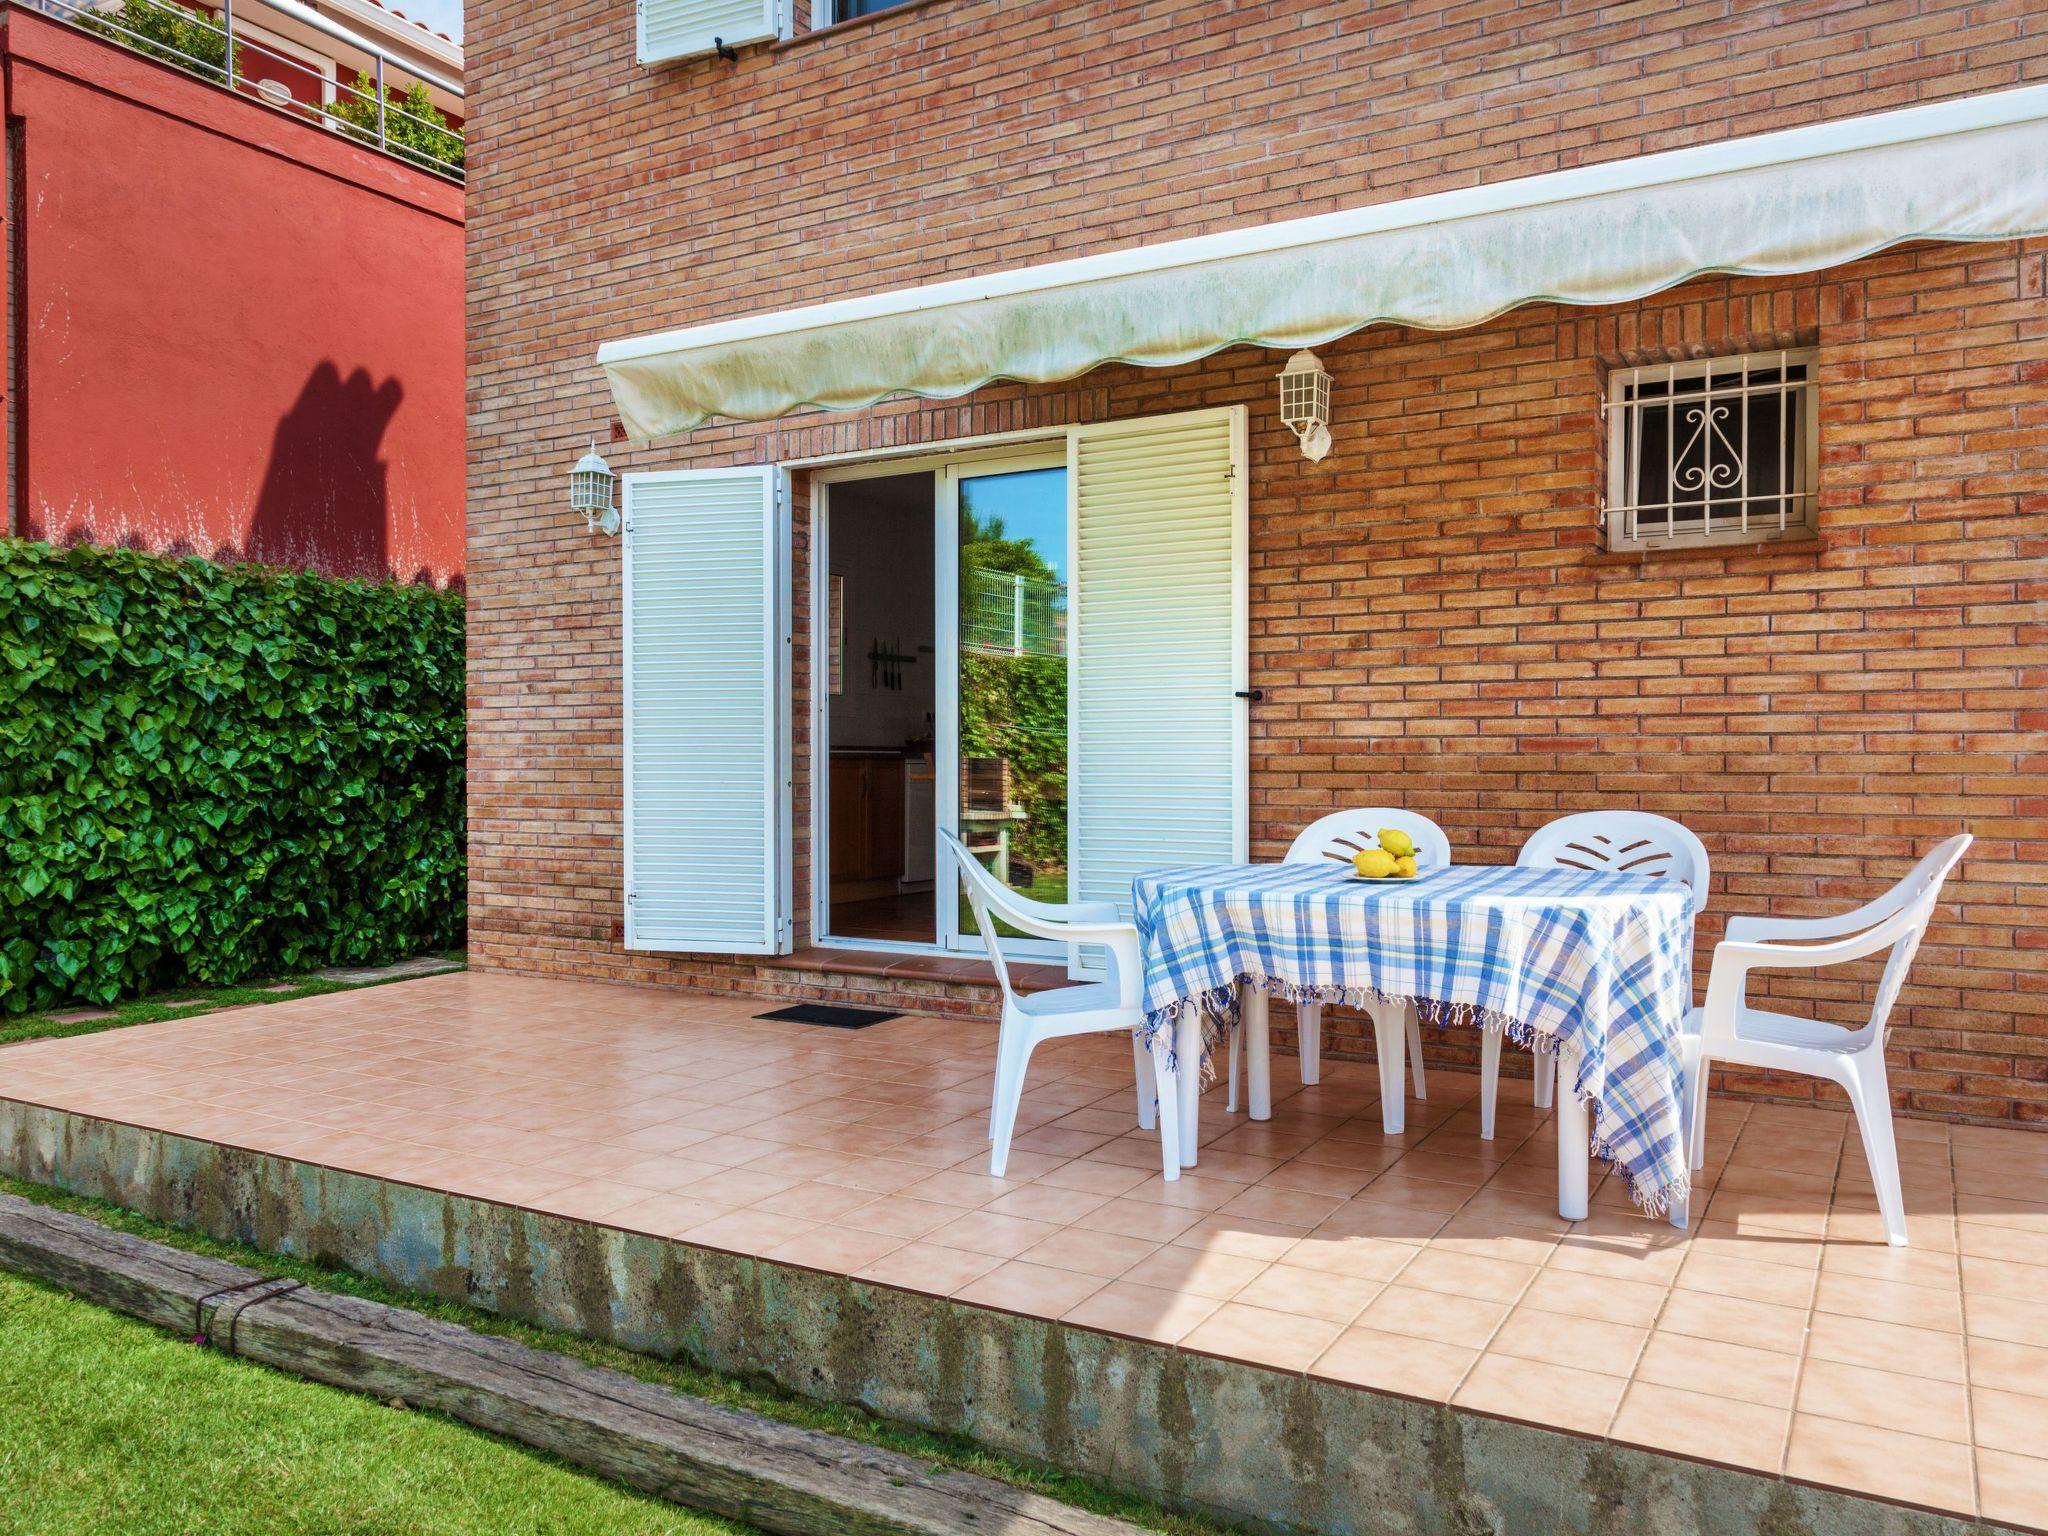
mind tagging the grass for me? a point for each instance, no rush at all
(932, 1449)
(181, 1003)
(113, 1426)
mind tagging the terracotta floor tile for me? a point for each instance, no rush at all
(1766, 1377)
(1446, 1319)
(1886, 1346)
(664, 1173)
(1782, 1285)
(2008, 1367)
(1191, 1191)
(879, 1175)
(1138, 1218)
(812, 1202)
(1141, 1312)
(835, 1250)
(1889, 1301)
(2003, 1317)
(1367, 1258)
(1995, 1277)
(592, 1200)
(2009, 1421)
(1531, 1390)
(1719, 1429)
(898, 1216)
(1285, 1341)
(969, 1191)
(1004, 1237)
(2013, 1489)
(1885, 1462)
(1246, 1239)
(1366, 1217)
(1577, 1295)
(1314, 1293)
(1199, 1271)
(1466, 1275)
(1033, 1290)
(1106, 1179)
(1885, 1399)
(1046, 1202)
(1759, 1246)
(740, 1186)
(1316, 1179)
(927, 1267)
(1392, 1362)
(1903, 1266)
(1732, 1320)
(1290, 1207)
(1103, 1254)
(518, 1186)
(751, 1232)
(1582, 1342)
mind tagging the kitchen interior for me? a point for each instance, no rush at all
(881, 661)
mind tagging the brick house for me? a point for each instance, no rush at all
(1764, 553)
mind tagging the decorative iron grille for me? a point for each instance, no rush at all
(1719, 451)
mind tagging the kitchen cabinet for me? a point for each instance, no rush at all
(866, 823)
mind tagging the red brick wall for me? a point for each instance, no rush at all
(1432, 615)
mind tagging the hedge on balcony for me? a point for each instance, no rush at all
(210, 772)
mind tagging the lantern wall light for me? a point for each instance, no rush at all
(1305, 403)
(590, 492)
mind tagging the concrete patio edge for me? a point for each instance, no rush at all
(1262, 1448)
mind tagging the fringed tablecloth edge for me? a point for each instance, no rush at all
(1221, 1009)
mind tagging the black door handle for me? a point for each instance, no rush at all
(1256, 695)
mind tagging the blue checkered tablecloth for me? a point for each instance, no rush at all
(1552, 956)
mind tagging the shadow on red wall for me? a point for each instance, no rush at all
(325, 498)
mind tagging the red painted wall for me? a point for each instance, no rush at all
(234, 333)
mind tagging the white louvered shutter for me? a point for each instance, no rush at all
(1157, 627)
(703, 711)
(683, 29)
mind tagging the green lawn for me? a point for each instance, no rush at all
(112, 1426)
(180, 1003)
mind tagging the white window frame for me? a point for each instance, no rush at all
(1793, 514)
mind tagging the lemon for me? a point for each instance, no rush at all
(1374, 863)
(1405, 867)
(1397, 842)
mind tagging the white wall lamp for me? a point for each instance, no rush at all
(1305, 403)
(590, 492)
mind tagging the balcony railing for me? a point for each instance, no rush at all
(407, 127)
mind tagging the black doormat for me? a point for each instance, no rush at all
(832, 1018)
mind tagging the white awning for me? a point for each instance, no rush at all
(1793, 201)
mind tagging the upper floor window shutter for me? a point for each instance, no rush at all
(683, 29)
(705, 680)
(1158, 635)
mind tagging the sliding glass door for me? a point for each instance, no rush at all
(1004, 536)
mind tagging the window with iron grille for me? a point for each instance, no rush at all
(1720, 451)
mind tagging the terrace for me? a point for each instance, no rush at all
(1315, 1320)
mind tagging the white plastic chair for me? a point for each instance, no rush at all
(1083, 1009)
(1335, 838)
(1626, 842)
(1727, 1029)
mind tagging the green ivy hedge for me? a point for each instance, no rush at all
(209, 772)
(1015, 707)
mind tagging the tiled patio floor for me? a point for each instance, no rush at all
(1780, 1333)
